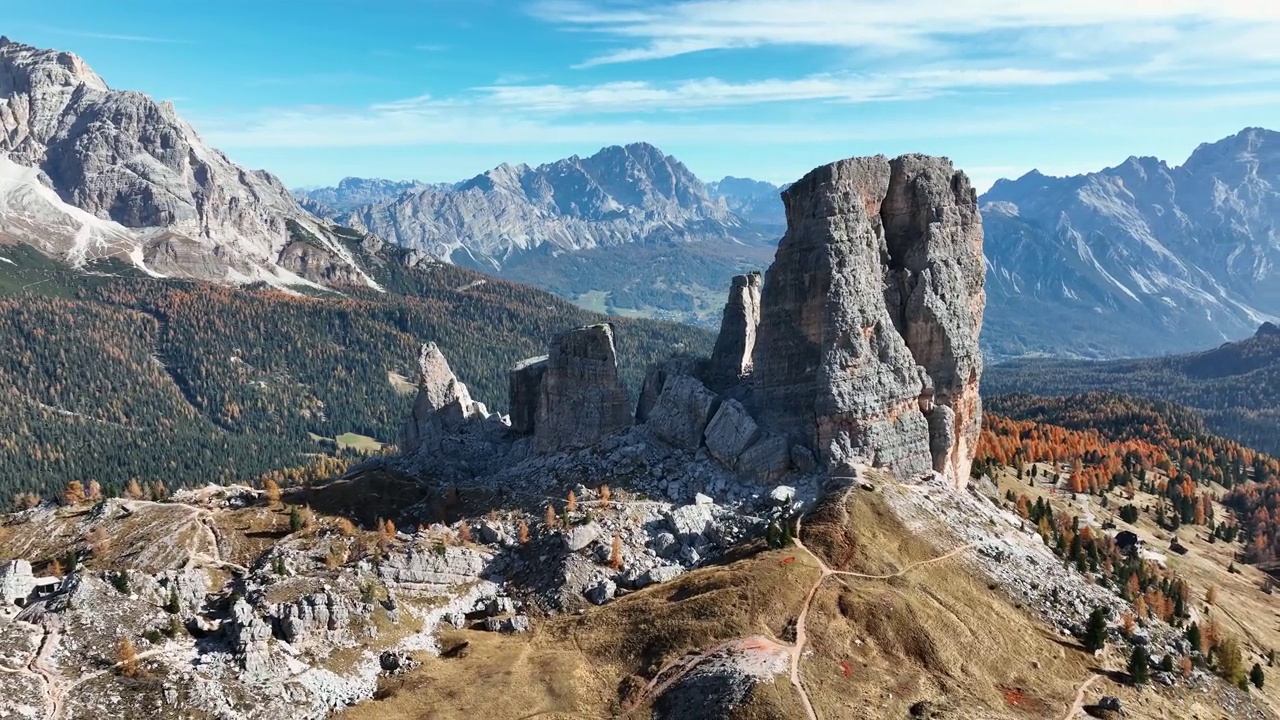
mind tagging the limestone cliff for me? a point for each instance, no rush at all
(131, 179)
(581, 399)
(869, 317)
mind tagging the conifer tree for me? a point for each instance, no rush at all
(1095, 632)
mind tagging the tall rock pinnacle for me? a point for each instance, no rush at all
(868, 337)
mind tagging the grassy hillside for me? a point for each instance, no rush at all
(1236, 387)
(109, 377)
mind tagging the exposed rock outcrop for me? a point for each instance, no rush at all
(732, 357)
(442, 401)
(876, 294)
(151, 191)
(684, 408)
(524, 384)
(581, 399)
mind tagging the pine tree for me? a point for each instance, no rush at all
(524, 532)
(1193, 637)
(605, 494)
(295, 519)
(1139, 665)
(173, 606)
(271, 489)
(550, 520)
(615, 553)
(127, 657)
(1095, 633)
(571, 503)
(1256, 676)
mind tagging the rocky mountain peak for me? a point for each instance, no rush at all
(868, 339)
(619, 195)
(1268, 329)
(153, 192)
(1173, 257)
(36, 68)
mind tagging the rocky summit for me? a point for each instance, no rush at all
(868, 338)
(90, 172)
(858, 346)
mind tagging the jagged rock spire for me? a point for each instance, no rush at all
(869, 317)
(732, 356)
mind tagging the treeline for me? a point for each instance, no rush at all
(188, 383)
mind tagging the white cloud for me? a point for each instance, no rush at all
(679, 27)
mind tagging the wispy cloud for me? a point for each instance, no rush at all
(118, 37)
(707, 93)
(679, 27)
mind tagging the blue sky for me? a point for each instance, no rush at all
(439, 90)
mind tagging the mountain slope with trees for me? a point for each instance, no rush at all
(116, 376)
(1236, 386)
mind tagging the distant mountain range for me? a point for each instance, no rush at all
(89, 172)
(1138, 259)
(1236, 386)
(628, 230)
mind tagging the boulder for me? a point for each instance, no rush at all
(730, 432)
(683, 410)
(579, 536)
(690, 523)
(603, 592)
(767, 460)
(581, 400)
(665, 544)
(660, 574)
(782, 495)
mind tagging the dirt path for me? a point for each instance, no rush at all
(802, 635)
(41, 676)
(679, 668)
(52, 682)
(1077, 706)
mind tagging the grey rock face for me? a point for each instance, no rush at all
(582, 400)
(158, 191)
(879, 275)
(767, 460)
(524, 384)
(1140, 259)
(433, 571)
(684, 408)
(248, 634)
(655, 380)
(730, 433)
(442, 401)
(936, 295)
(619, 195)
(313, 615)
(732, 357)
(16, 582)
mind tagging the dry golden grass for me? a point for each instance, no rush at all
(938, 634)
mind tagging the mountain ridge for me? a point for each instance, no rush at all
(171, 205)
(1172, 257)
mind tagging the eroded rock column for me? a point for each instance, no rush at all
(582, 399)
